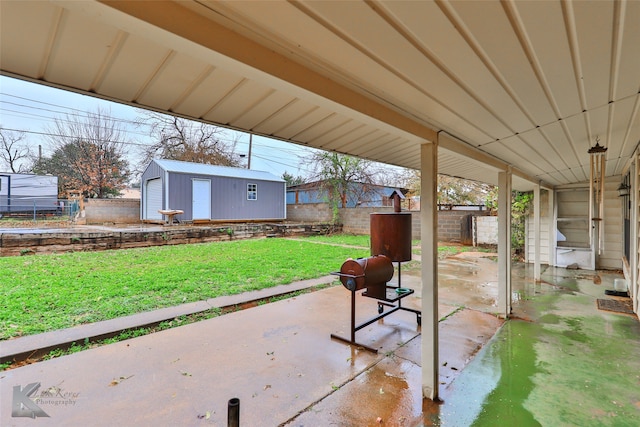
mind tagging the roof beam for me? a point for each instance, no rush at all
(189, 25)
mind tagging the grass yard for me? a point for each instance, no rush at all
(47, 292)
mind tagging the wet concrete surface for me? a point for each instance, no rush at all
(561, 361)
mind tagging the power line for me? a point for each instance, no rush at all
(70, 136)
(293, 150)
(77, 112)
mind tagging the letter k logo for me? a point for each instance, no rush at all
(22, 405)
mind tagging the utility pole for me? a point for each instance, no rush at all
(250, 143)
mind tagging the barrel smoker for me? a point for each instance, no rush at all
(390, 242)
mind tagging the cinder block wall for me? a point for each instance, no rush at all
(486, 230)
(312, 212)
(356, 220)
(119, 211)
(450, 225)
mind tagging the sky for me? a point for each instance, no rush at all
(32, 108)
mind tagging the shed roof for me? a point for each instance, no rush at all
(215, 170)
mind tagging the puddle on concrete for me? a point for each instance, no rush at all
(572, 365)
(495, 387)
(470, 282)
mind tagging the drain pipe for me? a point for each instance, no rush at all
(233, 414)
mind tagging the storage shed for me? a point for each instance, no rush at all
(210, 193)
(20, 192)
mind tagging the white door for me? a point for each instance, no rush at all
(201, 198)
(153, 199)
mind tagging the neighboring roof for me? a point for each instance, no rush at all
(318, 184)
(215, 170)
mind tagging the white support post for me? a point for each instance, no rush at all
(504, 243)
(536, 235)
(635, 233)
(551, 217)
(429, 241)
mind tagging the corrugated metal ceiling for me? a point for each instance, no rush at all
(525, 84)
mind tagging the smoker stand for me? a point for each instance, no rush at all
(387, 296)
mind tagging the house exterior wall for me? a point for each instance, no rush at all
(546, 221)
(573, 203)
(611, 257)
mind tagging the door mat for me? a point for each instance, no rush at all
(618, 306)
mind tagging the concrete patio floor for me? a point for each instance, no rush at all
(560, 361)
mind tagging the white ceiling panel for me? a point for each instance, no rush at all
(75, 61)
(543, 29)
(563, 150)
(595, 38)
(172, 76)
(520, 84)
(43, 20)
(497, 42)
(285, 117)
(264, 109)
(127, 50)
(210, 91)
(628, 59)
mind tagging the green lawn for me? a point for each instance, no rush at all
(47, 292)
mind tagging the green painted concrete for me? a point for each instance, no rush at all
(560, 362)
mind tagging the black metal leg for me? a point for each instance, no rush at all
(354, 328)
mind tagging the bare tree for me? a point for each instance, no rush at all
(338, 173)
(88, 154)
(13, 150)
(176, 138)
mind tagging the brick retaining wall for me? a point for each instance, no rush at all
(84, 239)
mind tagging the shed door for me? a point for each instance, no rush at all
(201, 198)
(153, 199)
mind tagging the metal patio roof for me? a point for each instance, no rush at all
(530, 85)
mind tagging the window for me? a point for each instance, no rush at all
(252, 191)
